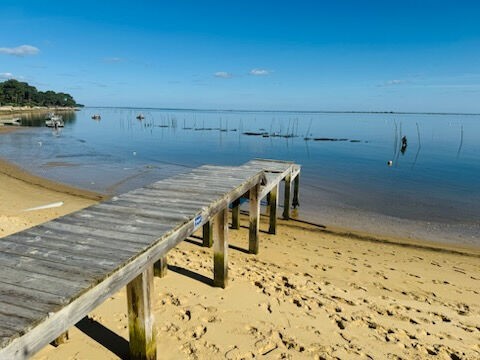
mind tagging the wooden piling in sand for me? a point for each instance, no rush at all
(254, 220)
(220, 249)
(207, 234)
(236, 214)
(160, 267)
(296, 186)
(140, 318)
(272, 206)
(61, 339)
(286, 199)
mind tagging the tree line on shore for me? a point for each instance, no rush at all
(17, 93)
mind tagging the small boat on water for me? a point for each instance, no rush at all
(10, 122)
(54, 121)
(96, 117)
(140, 116)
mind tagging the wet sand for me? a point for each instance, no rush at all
(311, 293)
(21, 190)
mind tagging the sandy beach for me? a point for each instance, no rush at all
(311, 293)
(21, 190)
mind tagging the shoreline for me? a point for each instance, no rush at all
(17, 173)
(18, 110)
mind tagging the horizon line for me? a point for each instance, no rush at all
(290, 111)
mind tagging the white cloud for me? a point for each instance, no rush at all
(6, 76)
(259, 72)
(394, 82)
(223, 74)
(23, 50)
(113, 59)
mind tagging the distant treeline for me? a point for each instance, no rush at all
(17, 93)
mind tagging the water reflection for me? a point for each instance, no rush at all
(37, 119)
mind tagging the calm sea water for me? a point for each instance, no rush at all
(430, 191)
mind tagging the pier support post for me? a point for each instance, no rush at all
(220, 249)
(286, 200)
(254, 215)
(272, 206)
(160, 267)
(140, 317)
(267, 208)
(62, 339)
(296, 185)
(236, 214)
(207, 234)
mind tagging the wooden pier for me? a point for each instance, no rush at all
(54, 274)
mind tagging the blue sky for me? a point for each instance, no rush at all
(293, 55)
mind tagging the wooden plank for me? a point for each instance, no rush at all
(140, 317)
(254, 217)
(207, 234)
(89, 230)
(220, 249)
(236, 214)
(15, 317)
(160, 267)
(152, 224)
(286, 198)
(30, 298)
(111, 225)
(164, 217)
(99, 265)
(36, 281)
(50, 243)
(43, 267)
(273, 210)
(170, 203)
(161, 199)
(174, 212)
(102, 242)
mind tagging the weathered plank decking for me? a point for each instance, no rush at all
(53, 275)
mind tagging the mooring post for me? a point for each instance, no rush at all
(140, 317)
(207, 234)
(273, 195)
(286, 200)
(160, 267)
(254, 215)
(220, 247)
(236, 214)
(296, 185)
